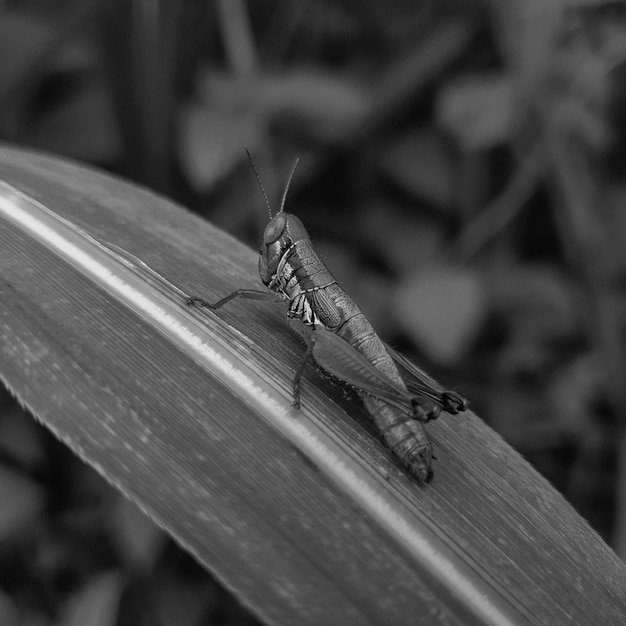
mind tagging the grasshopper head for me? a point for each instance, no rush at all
(280, 234)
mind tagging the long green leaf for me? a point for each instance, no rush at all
(305, 515)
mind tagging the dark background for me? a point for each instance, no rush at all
(461, 172)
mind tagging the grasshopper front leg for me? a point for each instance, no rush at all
(248, 294)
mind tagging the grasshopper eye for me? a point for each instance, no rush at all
(275, 229)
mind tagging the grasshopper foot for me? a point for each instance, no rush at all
(454, 402)
(191, 300)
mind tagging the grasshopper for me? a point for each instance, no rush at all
(398, 395)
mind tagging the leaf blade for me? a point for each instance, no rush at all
(281, 523)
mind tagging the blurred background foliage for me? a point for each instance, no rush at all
(461, 172)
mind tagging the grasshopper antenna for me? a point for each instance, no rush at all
(293, 171)
(258, 178)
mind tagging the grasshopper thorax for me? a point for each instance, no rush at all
(283, 231)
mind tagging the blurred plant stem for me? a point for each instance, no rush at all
(140, 45)
(153, 45)
(237, 36)
(504, 209)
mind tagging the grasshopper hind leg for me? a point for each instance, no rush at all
(424, 412)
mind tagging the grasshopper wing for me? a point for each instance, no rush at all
(420, 383)
(341, 360)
